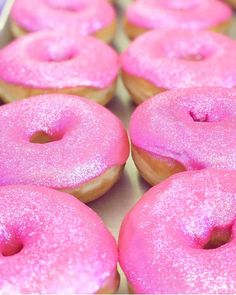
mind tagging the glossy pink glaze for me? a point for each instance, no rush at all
(66, 247)
(164, 59)
(193, 126)
(56, 60)
(92, 141)
(161, 243)
(168, 14)
(80, 16)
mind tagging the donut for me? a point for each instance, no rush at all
(188, 129)
(62, 142)
(51, 243)
(161, 60)
(180, 237)
(49, 62)
(83, 17)
(145, 15)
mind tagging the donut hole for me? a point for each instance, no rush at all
(55, 52)
(56, 49)
(11, 247)
(193, 57)
(218, 237)
(60, 57)
(191, 49)
(204, 118)
(196, 55)
(42, 137)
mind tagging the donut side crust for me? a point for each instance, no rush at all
(154, 169)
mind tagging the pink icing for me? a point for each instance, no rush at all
(164, 59)
(57, 60)
(162, 239)
(81, 16)
(193, 126)
(66, 247)
(191, 14)
(90, 140)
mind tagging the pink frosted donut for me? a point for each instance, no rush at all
(96, 17)
(143, 15)
(64, 142)
(160, 60)
(51, 243)
(187, 129)
(55, 62)
(180, 237)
